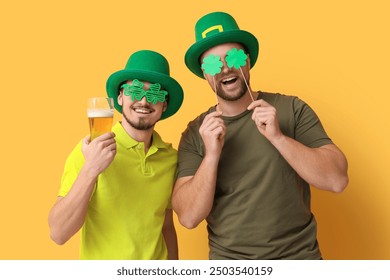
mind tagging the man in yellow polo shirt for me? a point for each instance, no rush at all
(117, 188)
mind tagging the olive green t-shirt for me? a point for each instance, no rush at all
(261, 206)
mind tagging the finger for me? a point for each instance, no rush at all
(260, 122)
(209, 128)
(257, 114)
(85, 143)
(254, 104)
(215, 114)
(220, 131)
(106, 143)
(212, 123)
(86, 140)
(258, 103)
(263, 119)
(212, 115)
(215, 131)
(105, 136)
(112, 147)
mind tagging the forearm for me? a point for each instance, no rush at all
(170, 236)
(68, 214)
(193, 198)
(324, 168)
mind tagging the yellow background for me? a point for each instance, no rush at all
(54, 54)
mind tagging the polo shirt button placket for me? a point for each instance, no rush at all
(143, 158)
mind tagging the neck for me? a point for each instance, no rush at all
(234, 108)
(144, 136)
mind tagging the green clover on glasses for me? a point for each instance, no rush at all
(153, 95)
(212, 64)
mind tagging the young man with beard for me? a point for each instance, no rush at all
(117, 188)
(246, 164)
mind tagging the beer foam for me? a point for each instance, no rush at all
(101, 113)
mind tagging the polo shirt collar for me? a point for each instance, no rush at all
(122, 137)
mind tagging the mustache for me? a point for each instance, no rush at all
(135, 106)
(231, 73)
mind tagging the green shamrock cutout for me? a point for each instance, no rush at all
(236, 58)
(212, 64)
(154, 94)
(136, 92)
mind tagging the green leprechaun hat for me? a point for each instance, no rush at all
(214, 29)
(150, 66)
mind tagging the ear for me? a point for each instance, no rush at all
(165, 106)
(248, 60)
(120, 98)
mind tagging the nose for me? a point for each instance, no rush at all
(143, 101)
(224, 68)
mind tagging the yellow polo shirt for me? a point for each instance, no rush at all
(127, 209)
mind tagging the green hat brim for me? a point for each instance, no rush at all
(175, 91)
(233, 36)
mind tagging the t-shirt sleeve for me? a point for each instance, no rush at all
(73, 165)
(169, 205)
(308, 128)
(190, 152)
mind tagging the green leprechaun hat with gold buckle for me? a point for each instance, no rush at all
(150, 66)
(214, 29)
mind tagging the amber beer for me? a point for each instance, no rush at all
(100, 116)
(100, 122)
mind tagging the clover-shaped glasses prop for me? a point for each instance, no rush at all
(212, 64)
(236, 58)
(153, 95)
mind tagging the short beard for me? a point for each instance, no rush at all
(222, 94)
(141, 125)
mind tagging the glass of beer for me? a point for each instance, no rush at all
(100, 114)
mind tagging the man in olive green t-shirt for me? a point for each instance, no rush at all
(246, 164)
